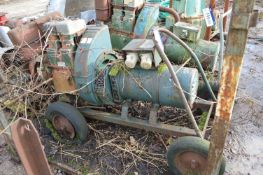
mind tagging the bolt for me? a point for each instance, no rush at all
(193, 164)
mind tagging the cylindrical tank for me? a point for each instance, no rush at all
(103, 10)
(206, 51)
(4, 38)
(156, 86)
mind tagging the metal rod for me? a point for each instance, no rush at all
(137, 123)
(207, 119)
(209, 29)
(222, 41)
(199, 65)
(179, 87)
(171, 12)
(233, 60)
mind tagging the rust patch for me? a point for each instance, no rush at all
(29, 148)
(63, 80)
(217, 142)
(229, 84)
(233, 61)
(63, 126)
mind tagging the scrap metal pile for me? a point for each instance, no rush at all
(136, 51)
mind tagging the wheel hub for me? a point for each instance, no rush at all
(63, 126)
(191, 162)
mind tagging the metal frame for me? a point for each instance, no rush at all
(133, 122)
(149, 125)
(233, 60)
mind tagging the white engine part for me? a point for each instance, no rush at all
(131, 60)
(146, 60)
(67, 26)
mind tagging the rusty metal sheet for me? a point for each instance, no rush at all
(29, 148)
(233, 61)
(24, 34)
(29, 52)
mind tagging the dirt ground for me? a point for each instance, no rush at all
(244, 146)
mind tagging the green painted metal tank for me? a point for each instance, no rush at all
(206, 51)
(95, 60)
(156, 86)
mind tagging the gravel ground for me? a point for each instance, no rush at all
(7, 165)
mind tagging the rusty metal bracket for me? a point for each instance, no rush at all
(233, 60)
(29, 148)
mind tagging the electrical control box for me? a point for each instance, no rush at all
(145, 49)
(123, 20)
(186, 31)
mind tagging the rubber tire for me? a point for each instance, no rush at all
(74, 117)
(189, 143)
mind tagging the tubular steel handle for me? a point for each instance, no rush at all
(177, 83)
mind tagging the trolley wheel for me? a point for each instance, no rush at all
(67, 121)
(188, 155)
